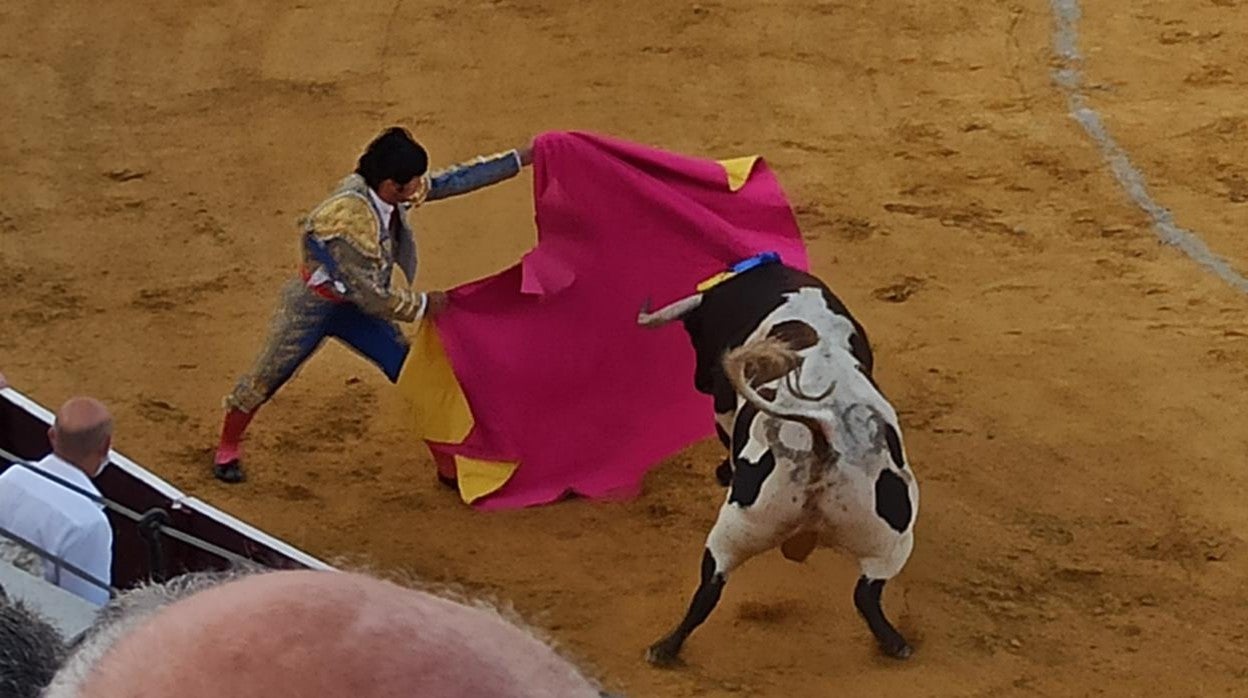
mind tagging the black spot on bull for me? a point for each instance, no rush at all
(892, 500)
(723, 473)
(795, 333)
(894, 446)
(747, 476)
(741, 429)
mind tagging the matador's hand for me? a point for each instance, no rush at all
(526, 154)
(437, 303)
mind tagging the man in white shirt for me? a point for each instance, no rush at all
(56, 518)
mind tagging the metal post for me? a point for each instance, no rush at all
(150, 525)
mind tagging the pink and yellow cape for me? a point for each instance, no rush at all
(538, 383)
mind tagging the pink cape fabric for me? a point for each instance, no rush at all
(557, 373)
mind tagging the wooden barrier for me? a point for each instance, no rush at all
(23, 432)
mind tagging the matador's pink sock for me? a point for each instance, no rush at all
(231, 446)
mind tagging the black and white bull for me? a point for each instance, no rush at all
(815, 452)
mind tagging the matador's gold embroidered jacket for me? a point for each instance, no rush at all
(347, 248)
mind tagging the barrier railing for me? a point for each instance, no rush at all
(214, 538)
(60, 562)
(151, 524)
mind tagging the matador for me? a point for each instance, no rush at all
(351, 243)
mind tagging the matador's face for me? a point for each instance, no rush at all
(413, 192)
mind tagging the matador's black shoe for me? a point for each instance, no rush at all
(450, 482)
(231, 471)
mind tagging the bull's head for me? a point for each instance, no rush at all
(666, 314)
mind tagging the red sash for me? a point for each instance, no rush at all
(324, 290)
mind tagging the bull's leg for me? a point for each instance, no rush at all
(867, 599)
(875, 572)
(664, 652)
(732, 541)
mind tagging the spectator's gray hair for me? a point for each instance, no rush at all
(30, 650)
(123, 614)
(133, 608)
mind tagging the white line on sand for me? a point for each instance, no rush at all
(1069, 76)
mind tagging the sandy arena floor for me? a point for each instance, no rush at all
(1072, 390)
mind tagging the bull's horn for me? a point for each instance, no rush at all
(668, 313)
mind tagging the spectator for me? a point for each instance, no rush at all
(305, 633)
(58, 519)
(30, 650)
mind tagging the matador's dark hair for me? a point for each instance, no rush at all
(392, 155)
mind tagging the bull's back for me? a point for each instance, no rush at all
(731, 311)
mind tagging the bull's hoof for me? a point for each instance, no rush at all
(897, 650)
(231, 472)
(723, 474)
(664, 654)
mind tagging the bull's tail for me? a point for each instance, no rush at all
(765, 360)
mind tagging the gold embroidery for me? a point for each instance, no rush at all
(404, 304)
(350, 218)
(298, 315)
(422, 192)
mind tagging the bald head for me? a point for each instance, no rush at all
(82, 433)
(325, 633)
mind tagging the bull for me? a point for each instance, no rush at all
(815, 450)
